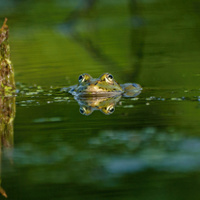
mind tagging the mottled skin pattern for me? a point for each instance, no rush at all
(105, 85)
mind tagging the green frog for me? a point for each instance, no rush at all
(105, 85)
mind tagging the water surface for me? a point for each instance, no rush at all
(149, 147)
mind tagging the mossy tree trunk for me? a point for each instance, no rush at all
(7, 83)
(7, 100)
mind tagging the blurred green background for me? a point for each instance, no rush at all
(153, 42)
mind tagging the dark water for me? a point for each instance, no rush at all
(149, 147)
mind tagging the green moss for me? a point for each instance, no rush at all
(7, 83)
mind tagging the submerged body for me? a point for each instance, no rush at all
(105, 85)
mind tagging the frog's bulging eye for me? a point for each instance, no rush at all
(108, 110)
(85, 110)
(84, 78)
(111, 109)
(82, 111)
(80, 78)
(109, 77)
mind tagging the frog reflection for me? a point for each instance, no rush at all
(105, 85)
(105, 104)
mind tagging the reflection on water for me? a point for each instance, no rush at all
(105, 104)
(7, 115)
(109, 155)
(67, 150)
(81, 33)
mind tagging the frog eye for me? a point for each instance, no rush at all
(109, 77)
(80, 78)
(82, 110)
(111, 109)
(85, 110)
(108, 110)
(84, 78)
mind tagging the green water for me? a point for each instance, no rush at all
(149, 147)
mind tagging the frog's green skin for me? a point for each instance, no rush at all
(105, 85)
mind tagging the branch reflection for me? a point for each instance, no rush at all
(7, 115)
